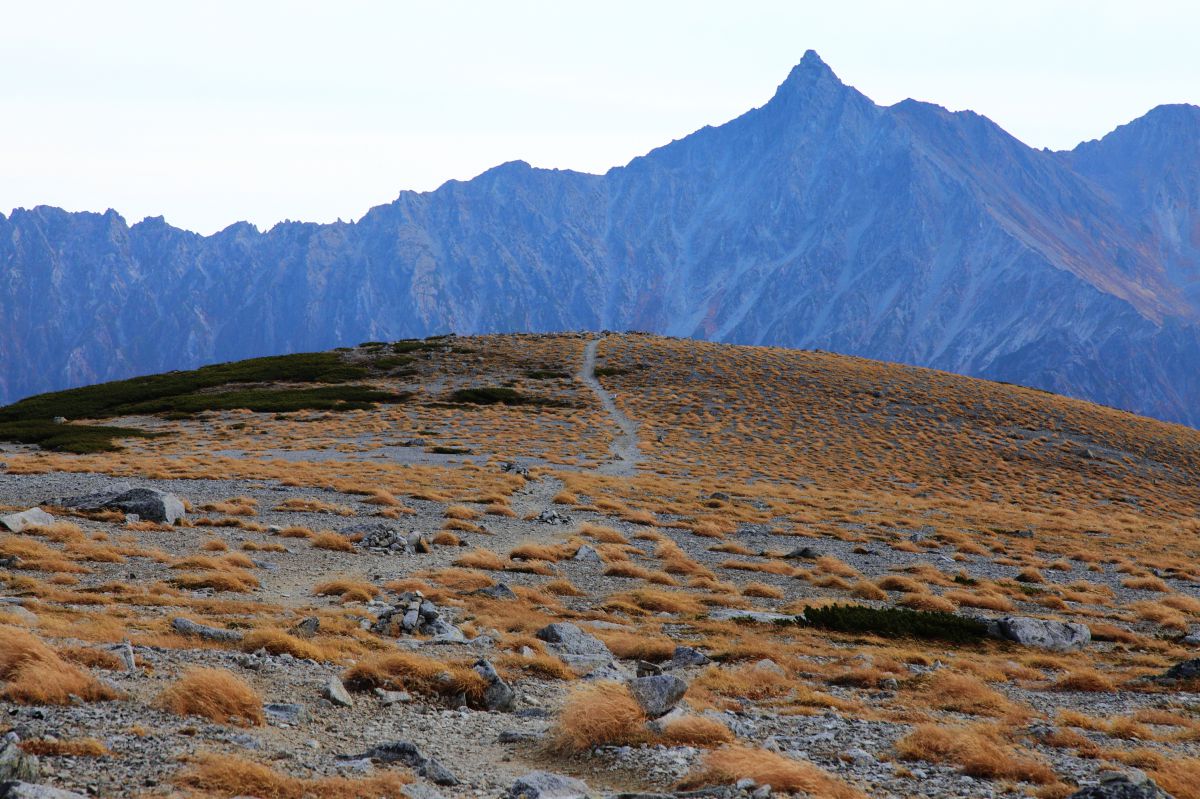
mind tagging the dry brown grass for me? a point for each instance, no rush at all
(695, 731)
(278, 642)
(605, 535)
(307, 505)
(68, 747)
(34, 674)
(762, 591)
(235, 581)
(977, 751)
(216, 694)
(601, 714)
(228, 776)
(334, 542)
(726, 766)
(966, 693)
(1085, 679)
(349, 589)
(481, 559)
(403, 671)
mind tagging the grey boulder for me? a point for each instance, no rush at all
(1057, 636)
(188, 627)
(34, 517)
(546, 785)
(15, 764)
(15, 789)
(567, 638)
(1122, 786)
(658, 694)
(147, 503)
(498, 695)
(336, 692)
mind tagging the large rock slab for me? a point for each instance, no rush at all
(658, 694)
(1122, 786)
(1057, 636)
(567, 638)
(15, 789)
(18, 522)
(188, 627)
(15, 764)
(148, 503)
(546, 785)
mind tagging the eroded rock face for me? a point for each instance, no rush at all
(1057, 636)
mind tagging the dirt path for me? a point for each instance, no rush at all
(625, 445)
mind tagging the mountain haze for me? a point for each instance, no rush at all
(820, 220)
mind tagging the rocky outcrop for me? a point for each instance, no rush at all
(34, 517)
(820, 220)
(145, 503)
(1057, 636)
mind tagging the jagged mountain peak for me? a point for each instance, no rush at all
(818, 220)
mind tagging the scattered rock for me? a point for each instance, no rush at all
(188, 627)
(803, 553)
(545, 785)
(34, 517)
(658, 694)
(515, 468)
(306, 627)
(686, 656)
(552, 516)
(586, 554)
(406, 753)
(147, 503)
(419, 790)
(1122, 786)
(285, 713)
(497, 591)
(1184, 671)
(25, 790)
(758, 616)
(15, 764)
(1057, 636)
(566, 638)
(335, 692)
(413, 614)
(498, 695)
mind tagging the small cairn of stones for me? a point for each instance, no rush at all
(413, 614)
(380, 537)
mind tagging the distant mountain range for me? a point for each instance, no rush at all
(820, 220)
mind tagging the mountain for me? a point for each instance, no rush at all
(820, 220)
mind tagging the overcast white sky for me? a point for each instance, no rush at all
(211, 112)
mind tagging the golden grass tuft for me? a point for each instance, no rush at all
(784, 775)
(334, 542)
(596, 715)
(695, 731)
(977, 752)
(404, 671)
(34, 674)
(70, 747)
(215, 694)
(278, 642)
(348, 589)
(229, 776)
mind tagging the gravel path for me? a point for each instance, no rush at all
(625, 445)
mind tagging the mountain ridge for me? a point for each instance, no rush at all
(819, 219)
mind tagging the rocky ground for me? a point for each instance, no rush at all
(847, 704)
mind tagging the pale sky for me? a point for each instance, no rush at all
(211, 112)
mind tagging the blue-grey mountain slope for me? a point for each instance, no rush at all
(820, 220)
